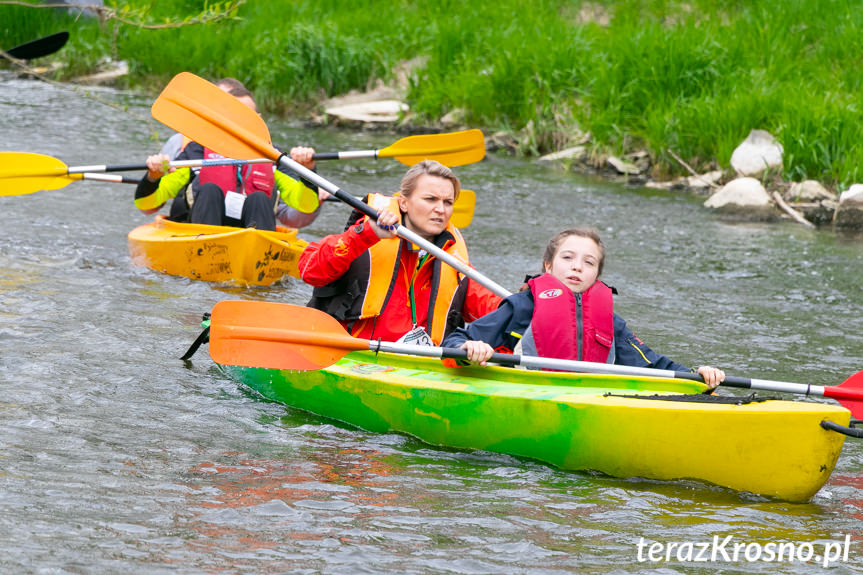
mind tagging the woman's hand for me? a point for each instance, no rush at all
(713, 376)
(478, 352)
(386, 223)
(157, 166)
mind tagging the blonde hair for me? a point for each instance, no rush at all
(582, 232)
(431, 168)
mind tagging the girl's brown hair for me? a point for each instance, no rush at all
(582, 232)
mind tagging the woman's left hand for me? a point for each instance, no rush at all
(712, 376)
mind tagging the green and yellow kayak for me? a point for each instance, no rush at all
(244, 256)
(623, 426)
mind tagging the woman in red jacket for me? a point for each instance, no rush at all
(382, 287)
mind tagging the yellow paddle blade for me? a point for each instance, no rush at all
(277, 336)
(462, 210)
(453, 149)
(203, 112)
(23, 173)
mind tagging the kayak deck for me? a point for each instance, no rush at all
(245, 256)
(573, 421)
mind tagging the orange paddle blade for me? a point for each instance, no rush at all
(453, 149)
(277, 336)
(210, 116)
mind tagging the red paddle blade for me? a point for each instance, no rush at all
(849, 394)
(210, 116)
(277, 336)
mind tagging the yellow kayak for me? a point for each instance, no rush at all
(243, 256)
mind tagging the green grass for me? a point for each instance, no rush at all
(692, 77)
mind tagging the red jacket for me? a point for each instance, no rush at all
(324, 262)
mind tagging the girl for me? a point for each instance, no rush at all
(565, 313)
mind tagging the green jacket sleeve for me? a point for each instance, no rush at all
(151, 196)
(295, 193)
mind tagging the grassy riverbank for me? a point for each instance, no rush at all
(691, 77)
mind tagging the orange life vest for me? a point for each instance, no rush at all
(364, 290)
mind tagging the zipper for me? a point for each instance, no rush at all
(579, 331)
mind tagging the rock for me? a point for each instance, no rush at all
(114, 71)
(622, 167)
(387, 111)
(807, 191)
(382, 105)
(453, 118)
(575, 153)
(501, 141)
(743, 197)
(700, 182)
(757, 153)
(854, 193)
(849, 212)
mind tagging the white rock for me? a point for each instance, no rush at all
(742, 195)
(377, 111)
(574, 152)
(854, 193)
(808, 191)
(757, 153)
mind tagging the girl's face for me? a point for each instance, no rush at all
(576, 263)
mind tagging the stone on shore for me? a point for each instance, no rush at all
(744, 197)
(758, 153)
(813, 200)
(380, 106)
(849, 212)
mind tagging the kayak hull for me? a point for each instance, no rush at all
(244, 256)
(576, 422)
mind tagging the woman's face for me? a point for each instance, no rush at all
(429, 207)
(576, 263)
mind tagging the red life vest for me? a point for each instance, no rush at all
(244, 179)
(570, 326)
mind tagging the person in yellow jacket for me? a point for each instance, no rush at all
(245, 195)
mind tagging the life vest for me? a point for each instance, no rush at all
(364, 290)
(244, 179)
(571, 326)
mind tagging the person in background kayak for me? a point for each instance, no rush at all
(530, 322)
(380, 286)
(267, 195)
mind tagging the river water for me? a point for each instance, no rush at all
(116, 457)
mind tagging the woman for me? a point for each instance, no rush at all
(566, 313)
(382, 287)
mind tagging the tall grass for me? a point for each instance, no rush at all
(692, 77)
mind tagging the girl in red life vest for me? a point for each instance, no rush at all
(566, 313)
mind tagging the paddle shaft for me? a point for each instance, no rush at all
(350, 155)
(109, 178)
(604, 368)
(177, 164)
(400, 230)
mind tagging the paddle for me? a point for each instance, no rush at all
(462, 209)
(452, 149)
(217, 120)
(242, 334)
(24, 173)
(39, 47)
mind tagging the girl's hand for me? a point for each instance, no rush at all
(478, 352)
(713, 376)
